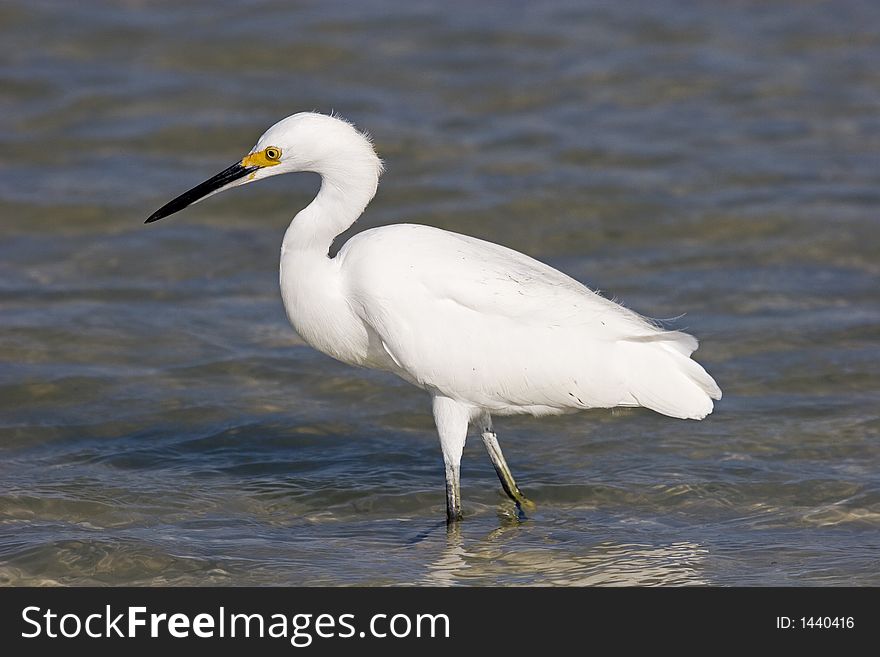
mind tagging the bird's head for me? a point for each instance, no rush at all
(307, 141)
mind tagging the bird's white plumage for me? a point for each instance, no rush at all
(496, 329)
(483, 328)
(461, 317)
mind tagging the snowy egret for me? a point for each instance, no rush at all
(482, 328)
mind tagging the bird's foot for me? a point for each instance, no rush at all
(525, 504)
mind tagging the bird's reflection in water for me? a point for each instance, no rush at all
(514, 549)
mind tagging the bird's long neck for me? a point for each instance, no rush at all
(347, 186)
(311, 286)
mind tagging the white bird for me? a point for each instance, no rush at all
(482, 328)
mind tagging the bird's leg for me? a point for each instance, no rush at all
(452, 419)
(453, 493)
(501, 467)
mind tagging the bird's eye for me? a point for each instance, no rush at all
(273, 153)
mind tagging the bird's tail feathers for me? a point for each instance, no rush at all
(666, 380)
(684, 343)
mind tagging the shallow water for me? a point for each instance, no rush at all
(160, 423)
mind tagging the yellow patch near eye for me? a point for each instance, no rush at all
(268, 157)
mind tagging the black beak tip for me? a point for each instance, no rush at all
(166, 210)
(173, 207)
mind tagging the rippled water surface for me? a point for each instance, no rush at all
(160, 423)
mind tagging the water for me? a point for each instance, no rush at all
(160, 423)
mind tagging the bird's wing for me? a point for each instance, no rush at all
(496, 328)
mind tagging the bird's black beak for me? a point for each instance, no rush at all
(210, 186)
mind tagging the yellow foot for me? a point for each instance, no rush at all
(524, 503)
